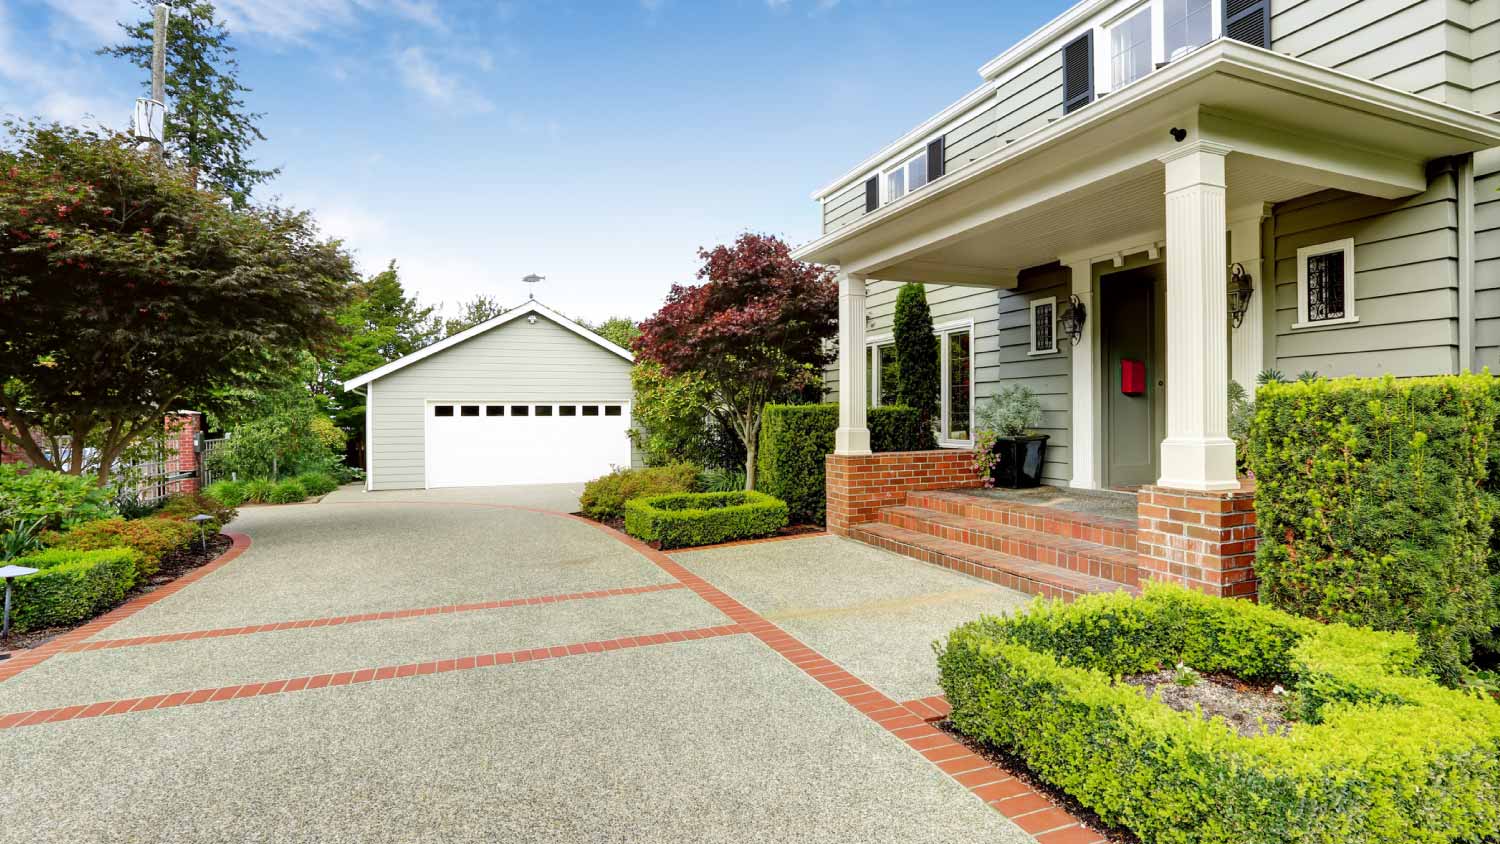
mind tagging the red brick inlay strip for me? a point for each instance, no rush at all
(912, 723)
(334, 621)
(22, 660)
(363, 675)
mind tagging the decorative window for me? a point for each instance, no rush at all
(443, 410)
(591, 410)
(1043, 326)
(906, 176)
(1325, 284)
(958, 385)
(544, 410)
(494, 410)
(1188, 24)
(567, 410)
(469, 410)
(613, 410)
(520, 410)
(1130, 47)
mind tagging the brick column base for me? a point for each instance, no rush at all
(1202, 540)
(860, 484)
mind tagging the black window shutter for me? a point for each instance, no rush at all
(872, 193)
(937, 162)
(1078, 71)
(1248, 21)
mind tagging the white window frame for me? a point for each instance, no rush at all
(1031, 348)
(1346, 246)
(941, 332)
(872, 364)
(1157, 28)
(1104, 69)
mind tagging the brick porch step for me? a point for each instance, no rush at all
(1077, 555)
(1023, 575)
(1100, 530)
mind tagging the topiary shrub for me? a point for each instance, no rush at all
(1372, 506)
(287, 492)
(604, 498)
(153, 538)
(258, 490)
(56, 500)
(1380, 753)
(228, 493)
(317, 483)
(688, 519)
(795, 439)
(918, 371)
(72, 586)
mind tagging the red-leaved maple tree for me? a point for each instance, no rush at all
(754, 332)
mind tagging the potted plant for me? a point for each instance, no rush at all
(1009, 451)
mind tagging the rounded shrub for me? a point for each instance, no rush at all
(71, 585)
(258, 490)
(228, 493)
(604, 498)
(188, 505)
(317, 483)
(287, 492)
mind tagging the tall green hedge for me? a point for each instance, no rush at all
(1374, 506)
(795, 438)
(918, 372)
(72, 585)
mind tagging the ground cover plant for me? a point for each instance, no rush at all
(683, 520)
(1378, 751)
(604, 498)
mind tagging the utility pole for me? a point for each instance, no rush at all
(150, 114)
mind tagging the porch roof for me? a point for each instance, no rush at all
(1093, 177)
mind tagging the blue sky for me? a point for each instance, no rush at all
(596, 143)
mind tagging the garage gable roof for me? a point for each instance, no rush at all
(531, 307)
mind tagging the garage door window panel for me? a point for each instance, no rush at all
(520, 410)
(443, 410)
(591, 410)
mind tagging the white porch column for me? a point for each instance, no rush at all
(1247, 343)
(852, 436)
(1087, 454)
(1197, 452)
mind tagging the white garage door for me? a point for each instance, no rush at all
(494, 443)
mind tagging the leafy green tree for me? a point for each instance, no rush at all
(127, 292)
(918, 375)
(619, 330)
(281, 433)
(479, 309)
(207, 126)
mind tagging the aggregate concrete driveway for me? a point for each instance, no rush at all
(449, 666)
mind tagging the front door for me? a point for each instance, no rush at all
(1127, 330)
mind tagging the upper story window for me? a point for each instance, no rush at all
(1187, 24)
(906, 176)
(1325, 284)
(1130, 47)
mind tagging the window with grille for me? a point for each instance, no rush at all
(1325, 284)
(1044, 326)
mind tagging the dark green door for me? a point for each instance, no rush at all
(1127, 329)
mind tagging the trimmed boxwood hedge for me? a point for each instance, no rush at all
(682, 520)
(795, 439)
(72, 585)
(1381, 754)
(1375, 504)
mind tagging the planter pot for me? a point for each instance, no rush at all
(1018, 461)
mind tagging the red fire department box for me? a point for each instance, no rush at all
(1132, 377)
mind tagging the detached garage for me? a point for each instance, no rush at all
(529, 397)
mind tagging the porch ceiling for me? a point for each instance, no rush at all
(1094, 177)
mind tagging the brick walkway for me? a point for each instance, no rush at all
(910, 722)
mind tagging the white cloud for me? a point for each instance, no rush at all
(96, 21)
(420, 74)
(66, 93)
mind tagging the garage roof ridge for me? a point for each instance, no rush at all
(531, 307)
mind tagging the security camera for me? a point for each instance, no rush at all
(531, 319)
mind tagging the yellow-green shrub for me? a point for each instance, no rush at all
(71, 585)
(154, 538)
(604, 498)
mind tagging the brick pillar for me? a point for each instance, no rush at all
(858, 485)
(182, 456)
(1202, 540)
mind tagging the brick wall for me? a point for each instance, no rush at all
(859, 485)
(182, 429)
(1202, 540)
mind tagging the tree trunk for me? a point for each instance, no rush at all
(750, 465)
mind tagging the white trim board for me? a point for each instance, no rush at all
(531, 307)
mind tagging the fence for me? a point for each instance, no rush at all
(207, 474)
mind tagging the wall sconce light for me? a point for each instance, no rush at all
(1071, 320)
(1241, 290)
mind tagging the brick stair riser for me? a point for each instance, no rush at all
(1029, 518)
(1079, 561)
(1010, 580)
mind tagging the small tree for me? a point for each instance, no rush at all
(918, 376)
(479, 309)
(126, 293)
(756, 330)
(619, 330)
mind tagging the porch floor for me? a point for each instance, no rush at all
(1109, 504)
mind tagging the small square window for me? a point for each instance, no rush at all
(443, 410)
(1325, 284)
(494, 410)
(544, 410)
(613, 410)
(469, 410)
(567, 410)
(1043, 326)
(591, 410)
(520, 410)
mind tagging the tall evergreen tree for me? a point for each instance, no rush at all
(919, 377)
(207, 127)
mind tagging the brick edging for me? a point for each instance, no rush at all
(21, 661)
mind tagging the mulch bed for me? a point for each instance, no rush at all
(1243, 705)
(173, 565)
(1013, 765)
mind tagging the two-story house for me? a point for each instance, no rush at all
(1202, 188)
